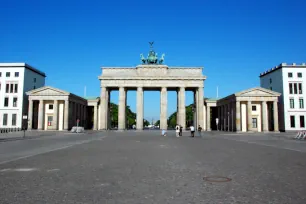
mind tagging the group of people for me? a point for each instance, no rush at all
(179, 131)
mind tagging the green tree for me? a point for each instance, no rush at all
(157, 123)
(189, 117)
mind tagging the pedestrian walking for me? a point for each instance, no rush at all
(164, 133)
(192, 130)
(177, 131)
(181, 130)
(199, 130)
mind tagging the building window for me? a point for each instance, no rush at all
(16, 88)
(270, 81)
(299, 74)
(295, 88)
(50, 106)
(290, 74)
(34, 80)
(290, 88)
(291, 103)
(254, 122)
(50, 119)
(12, 88)
(14, 116)
(301, 102)
(292, 121)
(300, 88)
(16, 74)
(15, 102)
(8, 74)
(5, 119)
(0, 74)
(7, 88)
(253, 108)
(6, 101)
(302, 121)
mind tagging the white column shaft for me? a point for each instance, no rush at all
(66, 115)
(30, 115)
(139, 114)
(200, 107)
(249, 116)
(264, 116)
(103, 102)
(163, 108)
(238, 116)
(121, 111)
(41, 114)
(55, 115)
(275, 114)
(182, 108)
(208, 128)
(95, 119)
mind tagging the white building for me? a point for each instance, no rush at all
(54, 109)
(289, 81)
(15, 80)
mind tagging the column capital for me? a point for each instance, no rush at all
(139, 88)
(163, 88)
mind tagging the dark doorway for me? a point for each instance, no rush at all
(213, 116)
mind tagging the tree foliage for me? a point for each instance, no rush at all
(189, 117)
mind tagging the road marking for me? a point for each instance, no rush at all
(19, 170)
(267, 145)
(52, 150)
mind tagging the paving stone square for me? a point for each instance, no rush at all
(145, 167)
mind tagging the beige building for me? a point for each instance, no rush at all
(55, 109)
(254, 109)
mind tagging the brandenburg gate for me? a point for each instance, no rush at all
(152, 74)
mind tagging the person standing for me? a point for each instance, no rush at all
(181, 130)
(177, 131)
(164, 133)
(192, 130)
(199, 130)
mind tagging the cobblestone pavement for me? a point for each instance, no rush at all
(144, 167)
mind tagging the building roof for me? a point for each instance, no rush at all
(283, 65)
(23, 65)
(52, 91)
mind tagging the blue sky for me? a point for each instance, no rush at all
(233, 40)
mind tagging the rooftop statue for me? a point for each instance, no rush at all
(152, 57)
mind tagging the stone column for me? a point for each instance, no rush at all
(249, 115)
(121, 109)
(264, 116)
(55, 115)
(228, 116)
(30, 115)
(41, 115)
(74, 114)
(95, 119)
(178, 106)
(200, 107)
(208, 128)
(221, 119)
(194, 109)
(238, 117)
(232, 116)
(182, 108)
(103, 101)
(66, 115)
(275, 115)
(163, 108)
(224, 117)
(139, 106)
